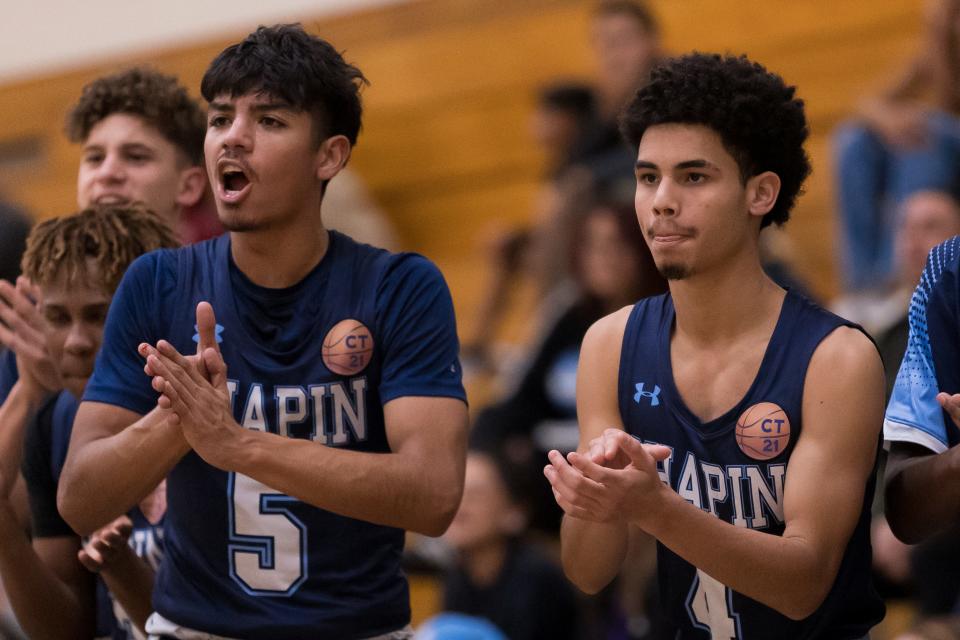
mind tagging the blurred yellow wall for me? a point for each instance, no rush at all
(445, 148)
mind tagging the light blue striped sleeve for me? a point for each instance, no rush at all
(930, 363)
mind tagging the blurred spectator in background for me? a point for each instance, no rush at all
(905, 140)
(626, 41)
(946, 628)
(576, 126)
(926, 219)
(538, 251)
(612, 268)
(14, 229)
(349, 208)
(498, 576)
(564, 113)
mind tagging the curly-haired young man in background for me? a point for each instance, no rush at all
(142, 140)
(745, 418)
(141, 136)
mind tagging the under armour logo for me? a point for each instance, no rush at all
(218, 331)
(653, 395)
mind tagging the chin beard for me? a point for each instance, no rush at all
(231, 221)
(674, 271)
(240, 226)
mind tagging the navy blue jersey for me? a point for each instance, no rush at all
(45, 450)
(243, 560)
(8, 373)
(731, 472)
(931, 363)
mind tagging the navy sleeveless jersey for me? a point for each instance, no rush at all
(243, 560)
(710, 470)
(45, 450)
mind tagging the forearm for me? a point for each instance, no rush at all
(923, 495)
(786, 573)
(103, 478)
(404, 489)
(16, 411)
(592, 552)
(44, 605)
(130, 580)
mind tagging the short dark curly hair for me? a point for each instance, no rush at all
(303, 70)
(757, 116)
(142, 91)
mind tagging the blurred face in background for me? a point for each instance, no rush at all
(487, 515)
(927, 219)
(609, 264)
(625, 52)
(555, 131)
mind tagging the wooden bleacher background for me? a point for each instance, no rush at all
(445, 148)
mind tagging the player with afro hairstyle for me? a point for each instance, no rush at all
(735, 422)
(759, 118)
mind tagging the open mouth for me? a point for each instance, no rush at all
(234, 181)
(111, 199)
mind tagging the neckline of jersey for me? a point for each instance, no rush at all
(725, 422)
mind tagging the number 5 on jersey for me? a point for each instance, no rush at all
(267, 541)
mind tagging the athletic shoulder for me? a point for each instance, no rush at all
(846, 349)
(845, 369)
(607, 332)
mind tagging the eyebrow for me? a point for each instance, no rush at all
(259, 107)
(686, 164)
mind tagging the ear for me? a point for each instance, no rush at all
(332, 156)
(193, 182)
(761, 192)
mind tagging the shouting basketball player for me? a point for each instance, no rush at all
(323, 412)
(735, 422)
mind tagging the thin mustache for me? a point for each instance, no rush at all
(670, 231)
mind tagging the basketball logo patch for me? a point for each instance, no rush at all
(763, 431)
(348, 347)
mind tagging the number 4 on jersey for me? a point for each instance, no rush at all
(711, 608)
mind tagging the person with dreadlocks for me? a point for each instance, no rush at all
(72, 266)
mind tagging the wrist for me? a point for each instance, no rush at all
(120, 563)
(30, 393)
(237, 452)
(652, 511)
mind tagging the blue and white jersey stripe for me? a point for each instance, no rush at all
(930, 363)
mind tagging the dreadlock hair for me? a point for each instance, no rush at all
(145, 92)
(111, 236)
